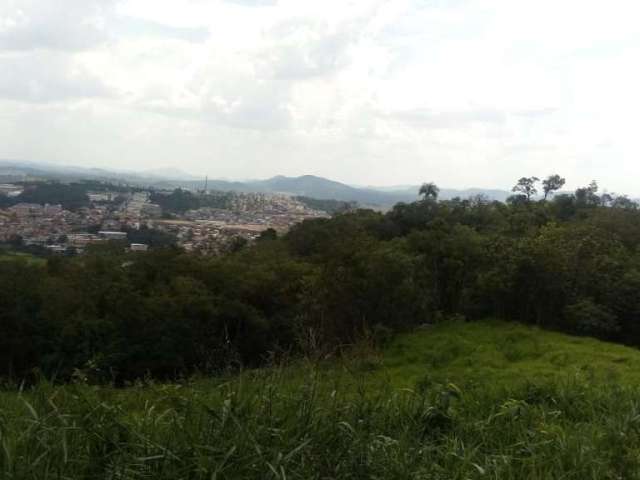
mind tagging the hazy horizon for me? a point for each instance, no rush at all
(166, 172)
(465, 93)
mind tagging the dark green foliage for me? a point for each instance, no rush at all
(98, 186)
(588, 317)
(429, 191)
(526, 187)
(71, 196)
(568, 263)
(152, 237)
(179, 201)
(587, 196)
(552, 184)
(268, 235)
(329, 206)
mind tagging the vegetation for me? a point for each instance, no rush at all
(10, 255)
(152, 237)
(179, 201)
(374, 361)
(15, 246)
(329, 206)
(71, 196)
(506, 355)
(568, 264)
(429, 191)
(348, 419)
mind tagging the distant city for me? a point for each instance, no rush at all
(64, 210)
(132, 217)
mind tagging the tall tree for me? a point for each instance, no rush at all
(606, 199)
(429, 191)
(623, 201)
(587, 196)
(552, 184)
(527, 187)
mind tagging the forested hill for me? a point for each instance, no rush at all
(569, 263)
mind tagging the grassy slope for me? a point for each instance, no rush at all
(505, 353)
(11, 256)
(528, 404)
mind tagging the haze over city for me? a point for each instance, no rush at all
(465, 93)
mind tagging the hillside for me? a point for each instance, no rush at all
(504, 353)
(527, 404)
(172, 365)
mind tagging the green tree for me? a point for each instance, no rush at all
(526, 186)
(623, 202)
(552, 184)
(429, 191)
(268, 234)
(590, 318)
(587, 196)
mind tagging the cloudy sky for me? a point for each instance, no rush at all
(461, 92)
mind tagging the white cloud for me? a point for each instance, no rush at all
(137, 27)
(254, 3)
(68, 25)
(47, 78)
(462, 92)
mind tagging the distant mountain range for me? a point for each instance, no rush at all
(306, 185)
(322, 188)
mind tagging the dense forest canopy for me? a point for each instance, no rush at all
(179, 201)
(71, 196)
(569, 262)
(329, 206)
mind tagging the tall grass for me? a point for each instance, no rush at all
(528, 405)
(321, 425)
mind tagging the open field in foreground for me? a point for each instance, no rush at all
(456, 401)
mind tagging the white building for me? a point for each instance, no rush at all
(109, 235)
(139, 247)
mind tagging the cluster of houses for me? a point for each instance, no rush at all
(58, 230)
(110, 216)
(211, 230)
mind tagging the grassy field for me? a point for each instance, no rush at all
(11, 256)
(498, 353)
(456, 401)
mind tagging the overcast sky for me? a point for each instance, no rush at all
(461, 92)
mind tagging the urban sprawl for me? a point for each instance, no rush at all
(116, 216)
